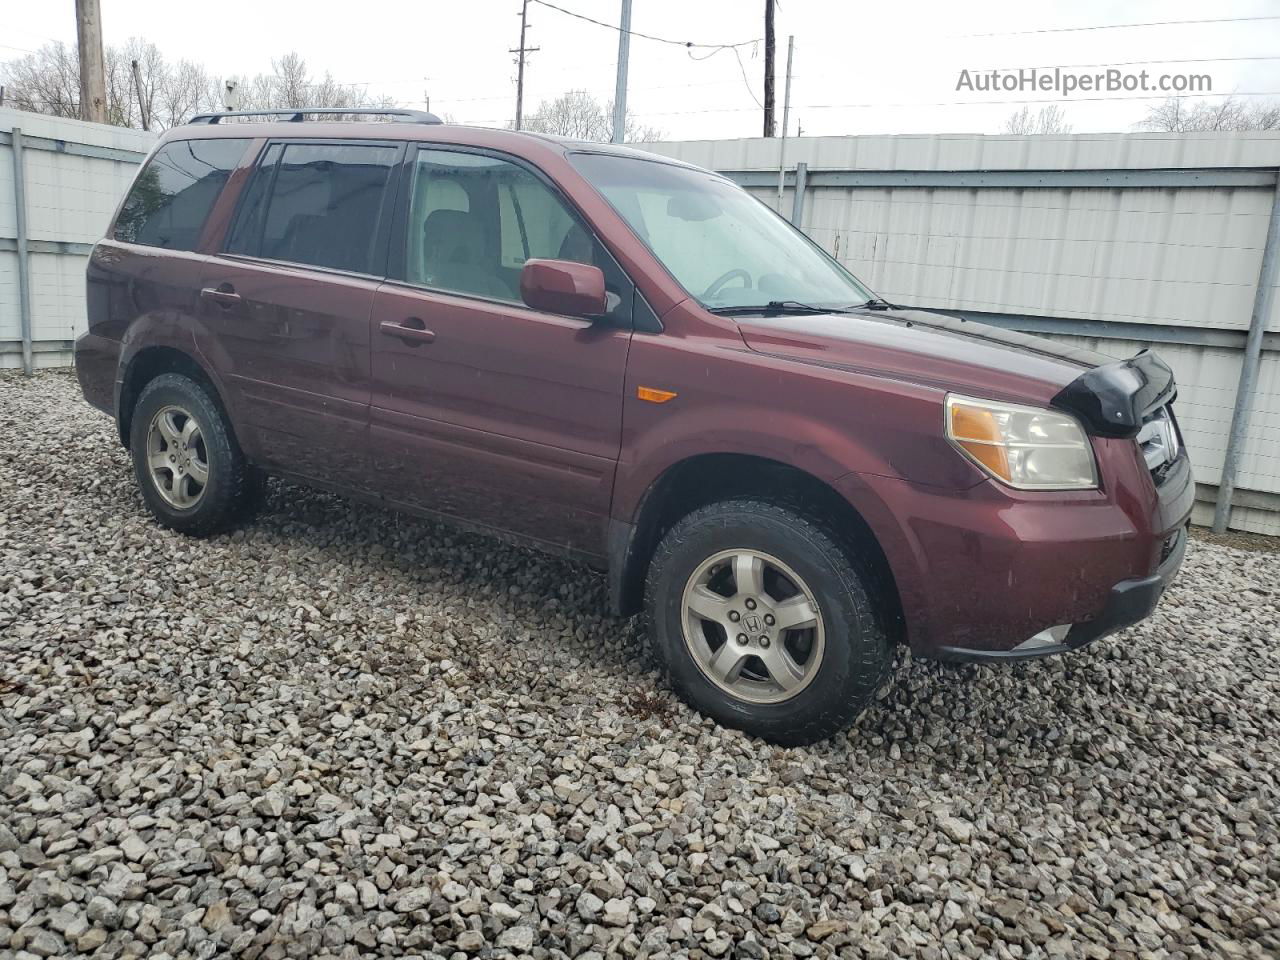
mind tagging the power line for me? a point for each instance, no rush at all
(735, 81)
(737, 56)
(968, 103)
(637, 33)
(603, 66)
(1121, 26)
(1135, 63)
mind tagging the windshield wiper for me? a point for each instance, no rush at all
(776, 306)
(877, 303)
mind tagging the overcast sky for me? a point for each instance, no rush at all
(859, 67)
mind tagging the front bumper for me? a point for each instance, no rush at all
(1128, 602)
(981, 570)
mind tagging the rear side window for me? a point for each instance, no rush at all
(316, 203)
(172, 197)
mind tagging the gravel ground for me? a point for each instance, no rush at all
(341, 732)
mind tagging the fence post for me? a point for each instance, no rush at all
(1262, 297)
(24, 262)
(797, 200)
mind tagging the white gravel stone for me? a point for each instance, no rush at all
(504, 913)
(415, 899)
(341, 732)
(961, 831)
(617, 912)
(519, 939)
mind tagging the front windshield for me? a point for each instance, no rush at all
(726, 248)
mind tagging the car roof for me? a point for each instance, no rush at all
(519, 142)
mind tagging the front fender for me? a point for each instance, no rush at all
(828, 423)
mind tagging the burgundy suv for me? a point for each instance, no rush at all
(631, 361)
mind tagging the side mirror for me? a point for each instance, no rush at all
(563, 286)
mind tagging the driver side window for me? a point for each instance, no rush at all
(474, 220)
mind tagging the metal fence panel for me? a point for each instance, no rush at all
(74, 174)
(943, 222)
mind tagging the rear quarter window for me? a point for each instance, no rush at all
(172, 196)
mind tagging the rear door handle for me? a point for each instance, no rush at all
(224, 295)
(411, 331)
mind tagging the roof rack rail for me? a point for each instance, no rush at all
(299, 114)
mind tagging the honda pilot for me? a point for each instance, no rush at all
(633, 362)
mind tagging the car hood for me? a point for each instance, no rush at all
(927, 348)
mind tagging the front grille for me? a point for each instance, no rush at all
(1159, 442)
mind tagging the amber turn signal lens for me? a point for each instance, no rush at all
(973, 423)
(654, 395)
(994, 458)
(975, 430)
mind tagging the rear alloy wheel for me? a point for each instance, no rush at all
(189, 467)
(178, 457)
(765, 621)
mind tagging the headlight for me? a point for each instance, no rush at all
(1029, 448)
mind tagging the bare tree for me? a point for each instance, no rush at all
(47, 81)
(291, 82)
(1047, 120)
(290, 86)
(1178, 115)
(188, 89)
(580, 116)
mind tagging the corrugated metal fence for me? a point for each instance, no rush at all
(1113, 240)
(70, 175)
(1116, 241)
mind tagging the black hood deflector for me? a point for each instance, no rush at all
(1116, 398)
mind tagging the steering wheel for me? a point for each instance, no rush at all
(724, 278)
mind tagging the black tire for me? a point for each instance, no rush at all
(234, 487)
(858, 651)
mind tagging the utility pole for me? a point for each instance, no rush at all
(93, 83)
(768, 68)
(786, 119)
(620, 90)
(137, 88)
(521, 50)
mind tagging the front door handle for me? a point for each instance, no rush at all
(224, 295)
(411, 331)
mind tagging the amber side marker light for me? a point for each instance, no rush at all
(654, 395)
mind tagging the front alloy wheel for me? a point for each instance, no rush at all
(752, 626)
(767, 619)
